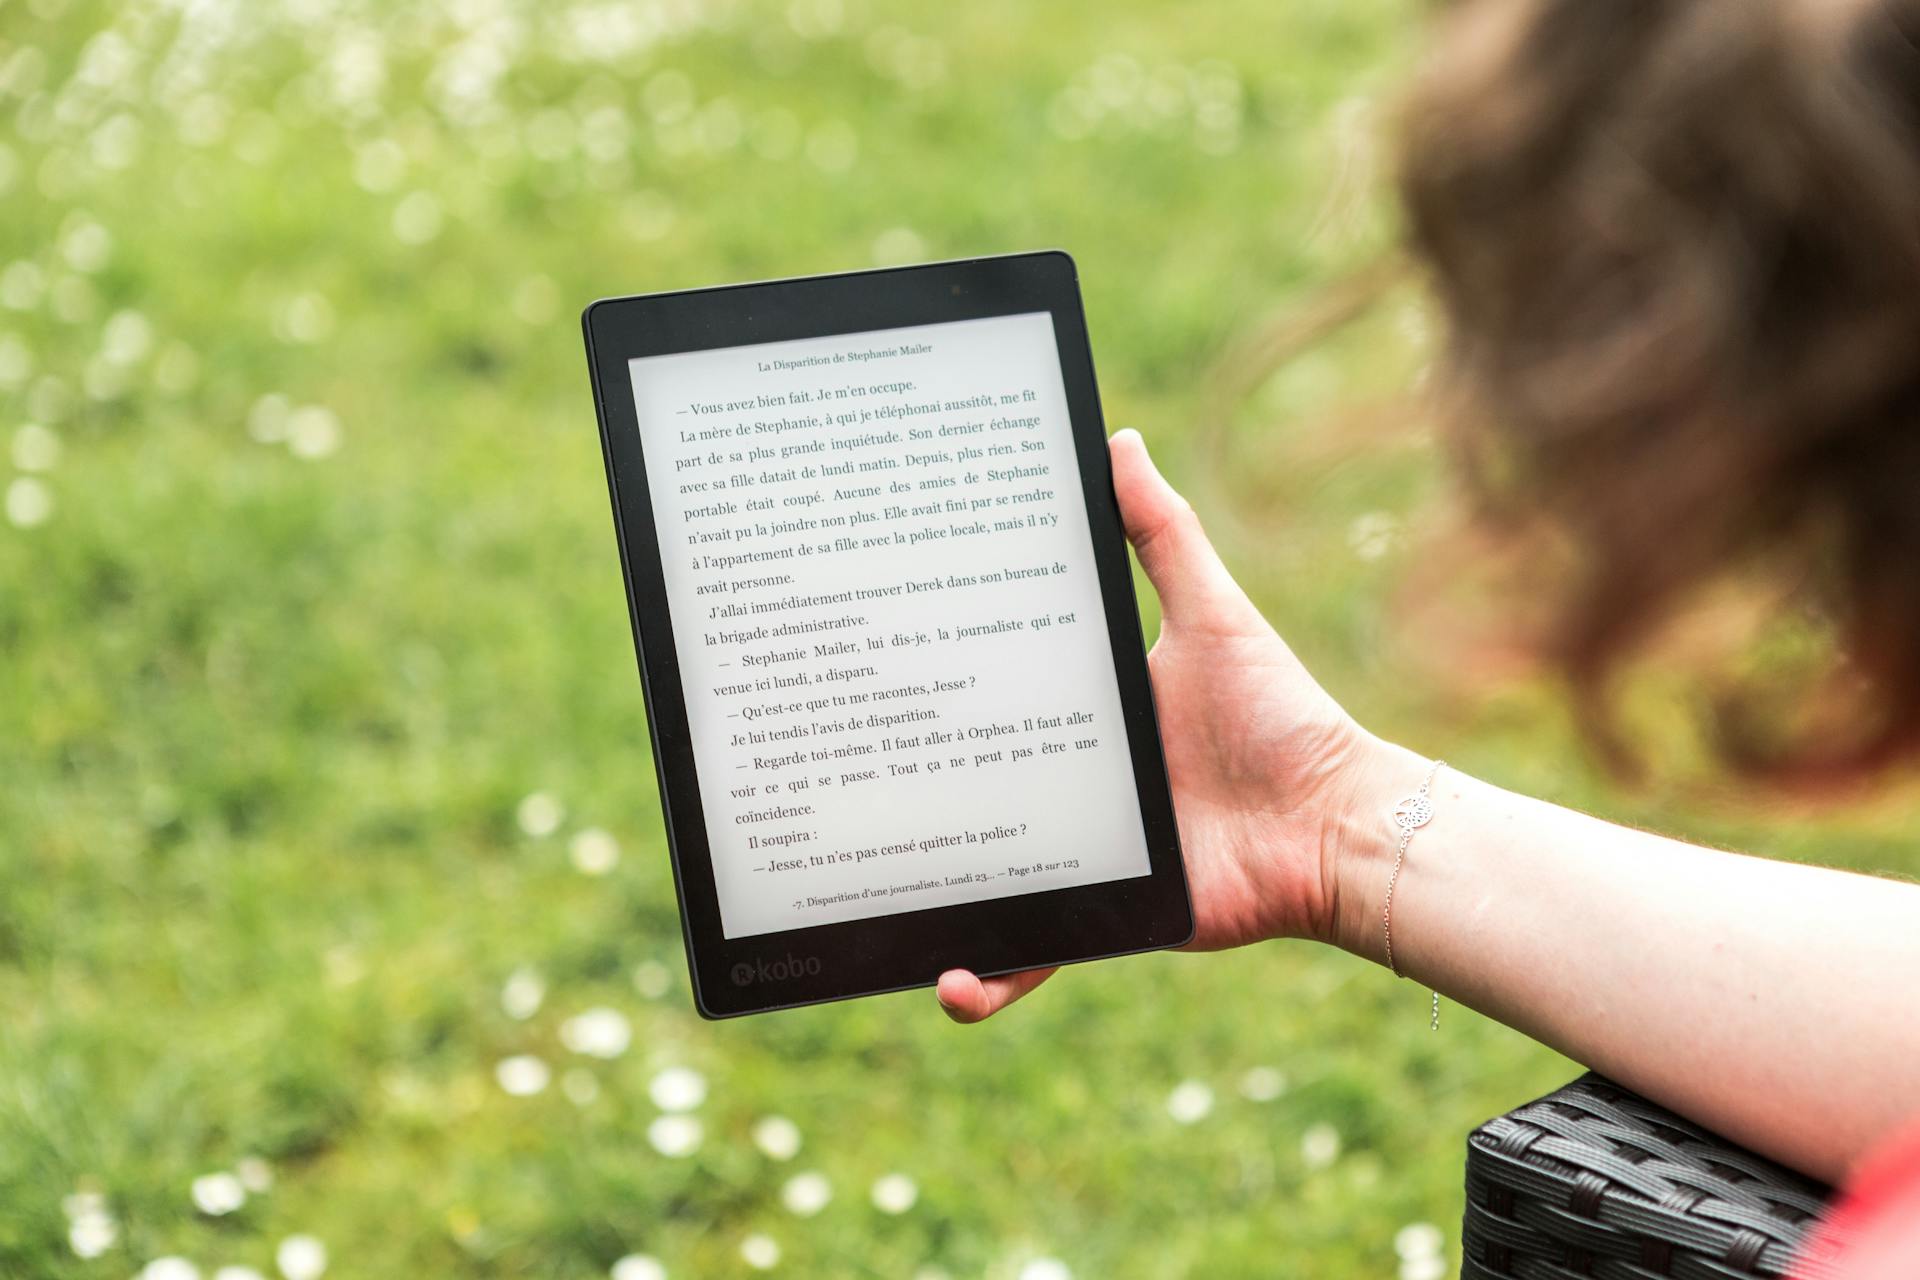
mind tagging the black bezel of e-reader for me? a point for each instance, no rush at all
(912, 948)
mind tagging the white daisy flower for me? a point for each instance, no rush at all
(678, 1089)
(170, 1268)
(1417, 1240)
(762, 1253)
(637, 1266)
(1046, 1269)
(29, 502)
(255, 1174)
(540, 814)
(1431, 1267)
(777, 1136)
(894, 1193)
(1191, 1101)
(598, 1033)
(218, 1194)
(806, 1194)
(675, 1135)
(523, 993)
(1319, 1146)
(522, 1075)
(301, 1258)
(313, 431)
(594, 852)
(92, 1233)
(1262, 1084)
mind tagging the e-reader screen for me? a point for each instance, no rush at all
(899, 684)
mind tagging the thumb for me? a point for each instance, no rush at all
(1195, 588)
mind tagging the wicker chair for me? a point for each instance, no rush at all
(1595, 1181)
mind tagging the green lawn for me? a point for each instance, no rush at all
(307, 583)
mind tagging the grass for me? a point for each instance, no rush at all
(279, 673)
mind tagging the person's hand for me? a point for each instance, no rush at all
(1260, 758)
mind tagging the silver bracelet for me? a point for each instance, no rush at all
(1410, 814)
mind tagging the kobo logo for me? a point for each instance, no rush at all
(789, 966)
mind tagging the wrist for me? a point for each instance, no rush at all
(1359, 842)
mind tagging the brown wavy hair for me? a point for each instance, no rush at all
(1677, 247)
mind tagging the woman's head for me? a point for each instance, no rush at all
(1678, 246)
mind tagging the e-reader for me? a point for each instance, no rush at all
(891, 655)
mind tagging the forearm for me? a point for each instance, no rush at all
(1778, 1004)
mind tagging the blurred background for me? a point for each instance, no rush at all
(337, 934)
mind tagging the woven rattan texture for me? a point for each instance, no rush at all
(1595, 1181)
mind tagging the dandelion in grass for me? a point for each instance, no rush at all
(651, 979)
(417, 218)
(777, 1137)
(675, 1135)
(171, 1267)
(29, 503)
(301, 1258)
(1190, 1102)
(806, 1194)
(894, 1193)
(1262, 1084)
(218, 1194)
(762, 1253)
(313, 432)
(678, 1089)
(1046, 1269)
(522, 994)
(594, 852)
(540, 814)
(255, 1174)
(637, 1266)
(1319, 1146)
(580, 1086)
(598, 1033)
(522, 1075)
